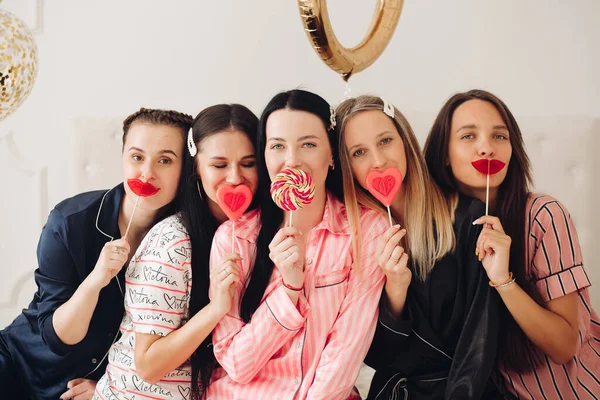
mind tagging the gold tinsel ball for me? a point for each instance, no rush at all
(18, 63)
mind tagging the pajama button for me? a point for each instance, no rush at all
(94, 361)
(296, 381)
(298, 345)
(308, 261)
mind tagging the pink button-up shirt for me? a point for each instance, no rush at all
(314, 349)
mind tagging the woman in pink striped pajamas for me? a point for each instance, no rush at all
(550, 342)
(305, 312)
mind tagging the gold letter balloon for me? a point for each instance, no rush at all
(342, 60)
(18, 63)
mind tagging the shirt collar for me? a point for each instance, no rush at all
(107, 219)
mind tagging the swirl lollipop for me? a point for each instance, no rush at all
(292, 189)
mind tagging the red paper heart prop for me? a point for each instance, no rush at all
(142, 189)
(384, 185)
(495, 166)
(234, 200)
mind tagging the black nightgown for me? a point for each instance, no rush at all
(444, 344)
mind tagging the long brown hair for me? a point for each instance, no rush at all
(428, 223)
(516, 352)
(201, 224)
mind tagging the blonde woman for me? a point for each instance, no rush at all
(437, 330)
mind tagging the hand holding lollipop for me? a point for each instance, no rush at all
(488, 167)
(384, 186)
(292, 189)
(234, 201)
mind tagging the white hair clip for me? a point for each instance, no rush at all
(332, 118)
(388, 108)
(191, 144)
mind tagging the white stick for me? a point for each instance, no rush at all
(390, 216)
(232, 236)
(131, 217)
(487, 193)
(291, 217)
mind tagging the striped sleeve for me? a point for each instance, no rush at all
(158, 280)
(353, 330)
(242, 349)
(557, 261)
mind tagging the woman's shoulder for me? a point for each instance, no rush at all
(247, 227)
(373, 222)
(172, 223)
(537, 202)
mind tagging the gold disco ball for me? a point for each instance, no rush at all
(18, 63)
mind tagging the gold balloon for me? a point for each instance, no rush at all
(342, 60)
(18, 63)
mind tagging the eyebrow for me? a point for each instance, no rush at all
(472, 126)
(248, 157)
(160, 152)
(378, 136)
(301, 138)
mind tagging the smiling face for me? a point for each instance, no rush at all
(373, 143)
(226, 158)
(152, 160)
(477, 132)
(298, 139)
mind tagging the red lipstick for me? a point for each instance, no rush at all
(488, 167)
(142, 189)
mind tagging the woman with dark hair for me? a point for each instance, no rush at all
(164, 350)
(550, 343)
(436, 337)
(58, 345)
(305, 310)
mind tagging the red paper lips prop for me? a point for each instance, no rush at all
(486, 166)
(234, 200)
(384, 185)
(142, 189)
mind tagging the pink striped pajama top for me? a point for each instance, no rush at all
(556, 264)
(314, 349)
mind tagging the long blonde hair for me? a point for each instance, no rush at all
(427, 216)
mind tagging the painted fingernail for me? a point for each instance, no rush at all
(397, 226)
(476, 252)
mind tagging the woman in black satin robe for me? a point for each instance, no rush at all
(438, 325)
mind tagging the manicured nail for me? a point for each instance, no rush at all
(397, 226)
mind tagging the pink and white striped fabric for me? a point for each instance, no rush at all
(158, 286)
(555, 260)
(312, 350)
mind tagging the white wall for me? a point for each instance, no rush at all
(108, 58)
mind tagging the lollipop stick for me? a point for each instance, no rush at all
(291, 217)
(131, 217)
(232, 235)
(487, 189)
(390, 216)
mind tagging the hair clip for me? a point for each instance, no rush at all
(191, 144)
(388, 108)
(332, 118)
